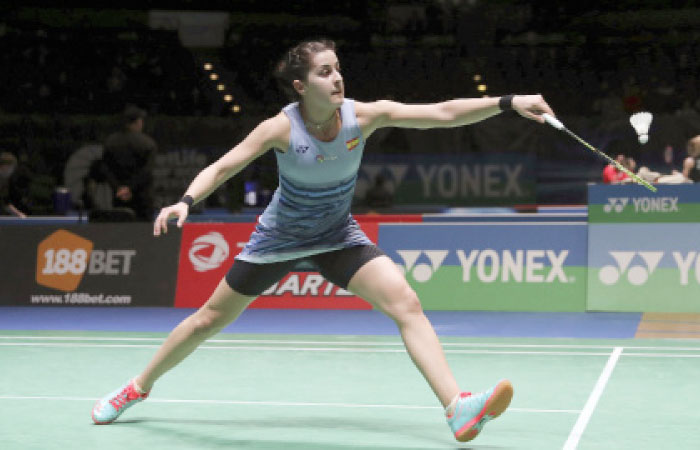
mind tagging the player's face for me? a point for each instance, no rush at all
(324, 83)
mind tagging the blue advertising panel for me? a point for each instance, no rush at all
(644, 267)
(496, 266)
(636, 204)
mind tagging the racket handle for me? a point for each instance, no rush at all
(553, 121)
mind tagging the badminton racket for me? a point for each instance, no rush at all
(560, 126)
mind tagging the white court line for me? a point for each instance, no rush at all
(585, 416)
(355, 343)
(262, 403)
(299, 349)
(660, 355)
(342, 350)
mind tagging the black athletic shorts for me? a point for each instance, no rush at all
(337, 266)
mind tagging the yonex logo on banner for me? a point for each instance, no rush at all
(519, 265)
(616, 204)
(393, 173)
(208, 251)
(639, 274)
(421, 272)
(451, 180)
(643, 204)
(655, 204)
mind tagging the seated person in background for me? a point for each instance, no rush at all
(675, 177)
(613, 176)
(11, 187)
(127, 165)
(656, 177)
(691, 164)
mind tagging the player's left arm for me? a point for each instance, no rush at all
(451, 113)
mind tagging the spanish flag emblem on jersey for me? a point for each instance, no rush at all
(352, 143)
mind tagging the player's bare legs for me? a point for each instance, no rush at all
(381, 283)
(223, 307)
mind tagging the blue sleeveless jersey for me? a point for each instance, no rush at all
(310, 211)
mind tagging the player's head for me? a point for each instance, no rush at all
(310, 72)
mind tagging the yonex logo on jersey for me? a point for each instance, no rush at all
(302, 149)
(208, 252)
(637, 274)
(616, 204)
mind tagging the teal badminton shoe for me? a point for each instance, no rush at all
(108, 408)
(474, 410)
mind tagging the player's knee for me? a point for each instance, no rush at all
(405, 304)
(205, 324)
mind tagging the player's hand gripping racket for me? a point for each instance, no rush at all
(560, 126)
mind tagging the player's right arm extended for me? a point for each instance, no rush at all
(265, 136)
(270, 133)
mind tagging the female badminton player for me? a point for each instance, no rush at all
(318, 141)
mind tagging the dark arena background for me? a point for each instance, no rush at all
(529, 260)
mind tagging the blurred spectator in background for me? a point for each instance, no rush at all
(12, 187)
(668, 174)
(691, 165)
(668, 164)
(127, 165)
(613, 176)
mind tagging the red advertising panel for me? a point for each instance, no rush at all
(206, 254)
(208, 250)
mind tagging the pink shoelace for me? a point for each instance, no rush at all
(127, 395)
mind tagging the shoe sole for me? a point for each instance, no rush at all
(494, 407)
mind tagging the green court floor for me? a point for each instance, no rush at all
(345, 392)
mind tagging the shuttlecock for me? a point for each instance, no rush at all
(640, 122)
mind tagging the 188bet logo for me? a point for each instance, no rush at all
(64, 257)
